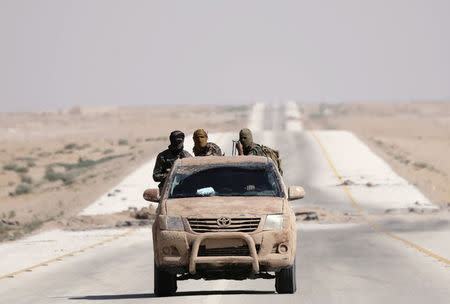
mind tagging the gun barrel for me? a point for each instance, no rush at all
(233, 147)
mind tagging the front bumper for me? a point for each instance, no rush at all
(180, 250)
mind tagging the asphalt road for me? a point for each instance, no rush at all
(336, 263)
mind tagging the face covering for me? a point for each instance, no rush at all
(246, 138)
(200, 139)
(176, 141)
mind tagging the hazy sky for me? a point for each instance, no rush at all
(57, 54)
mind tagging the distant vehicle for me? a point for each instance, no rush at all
(224, 218)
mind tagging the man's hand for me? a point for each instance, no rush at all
(239, 148)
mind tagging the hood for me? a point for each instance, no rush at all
(220, 205)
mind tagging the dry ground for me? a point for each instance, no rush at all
(414, 138)
(54, 164)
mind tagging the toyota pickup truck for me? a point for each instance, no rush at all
(224, 217)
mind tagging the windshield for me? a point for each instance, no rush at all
(226, 181)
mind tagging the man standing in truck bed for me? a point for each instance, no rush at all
(202, 147)
(166, 158)
(246, 146)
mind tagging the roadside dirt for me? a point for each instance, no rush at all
(413, 138)
(54, 164)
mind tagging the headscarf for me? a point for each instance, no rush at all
(246, 138)
(176, 141)
(200, 138)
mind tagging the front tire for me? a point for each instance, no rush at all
(285, 280)
(165, 283)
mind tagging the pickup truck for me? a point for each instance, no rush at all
(224, 217)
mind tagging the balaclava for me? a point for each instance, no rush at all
(200, 140)
(176, 141)
(246, 138)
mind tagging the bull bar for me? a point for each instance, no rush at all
(251, 259)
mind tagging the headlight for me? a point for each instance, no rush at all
(171, 223)
(273, 222)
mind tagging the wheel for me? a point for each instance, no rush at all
(165, 283)
(285, 280)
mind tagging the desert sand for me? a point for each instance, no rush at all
(53, 164)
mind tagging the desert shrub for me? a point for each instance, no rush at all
(51, 175)
(33, 225)
(70, 146)
(21, 170)
(316, 116)
(23, 188)
(15, 167)
(73, 170)
(10, 167)
(11, 214)
(31, 164)
(26, 179)
(401, 159)
(122, 142)
(160, 138)
(83, 146)
(44, 154)
(26, 159)
(4, 229)
(234, 108)
(66, 177)
(82, 163)
(89, 163)
(108, 151)
(73, 146)
(420, 165)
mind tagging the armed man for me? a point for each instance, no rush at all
(166, 158)
(202, 147)
(246, 146)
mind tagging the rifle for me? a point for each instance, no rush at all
(233, 147)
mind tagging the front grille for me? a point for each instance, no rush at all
(227, 251)
(238, 224)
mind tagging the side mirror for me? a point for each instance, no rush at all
(152, 195)
(295, 192)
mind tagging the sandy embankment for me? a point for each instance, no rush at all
(52, 165)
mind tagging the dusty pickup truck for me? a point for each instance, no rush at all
(224, 218)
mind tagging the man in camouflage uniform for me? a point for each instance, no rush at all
(202, 147)
(246, 146)
(166, 158)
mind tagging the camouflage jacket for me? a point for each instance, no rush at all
(254, 149)
(211, 149)
(164, 162)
